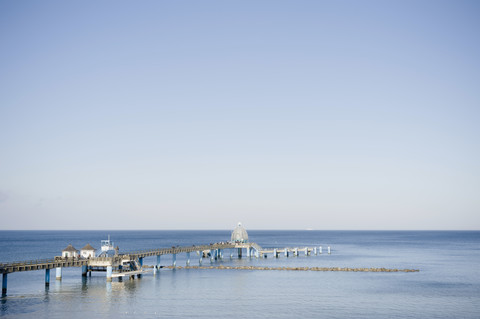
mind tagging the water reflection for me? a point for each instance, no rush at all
(57, 286)
(3, 305)
(84, 285)
(131, 286)
(46, 296)
(108, 289)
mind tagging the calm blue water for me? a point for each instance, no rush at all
(447, 286)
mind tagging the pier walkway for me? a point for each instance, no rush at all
(41, 264)
(131, 263)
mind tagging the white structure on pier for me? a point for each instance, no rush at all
(87, 251)
(239, 234)
(107, 247)
(70, 251)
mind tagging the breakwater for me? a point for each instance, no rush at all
(296, 268)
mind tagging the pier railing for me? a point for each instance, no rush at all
(38, 264)
(27, 262)
(177, 250)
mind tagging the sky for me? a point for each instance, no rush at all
(351, 115)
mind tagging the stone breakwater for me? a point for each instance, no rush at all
(297, 268)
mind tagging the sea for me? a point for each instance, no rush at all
(447, 284)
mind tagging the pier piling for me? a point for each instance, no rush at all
(4, 284)
(47, 277)
(109, 273)
(84, 270)
(157, 267)
(140, 261)
(58, 273)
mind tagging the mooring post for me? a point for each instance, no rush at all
(109, 273)
(84, 270)
(286, 252)
(320, 250)
(4, 284)
(58, 274)
(275, 253)
(174, 260)
(328, 249)
(188, 258)
(47, 277)
(306, 251)
(315, 250)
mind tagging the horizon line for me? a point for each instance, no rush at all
(250, 229)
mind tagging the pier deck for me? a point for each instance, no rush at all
(131, 263)
(30, 265)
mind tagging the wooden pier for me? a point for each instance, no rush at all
(131, 263)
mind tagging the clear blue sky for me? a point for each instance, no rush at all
(278, 114)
